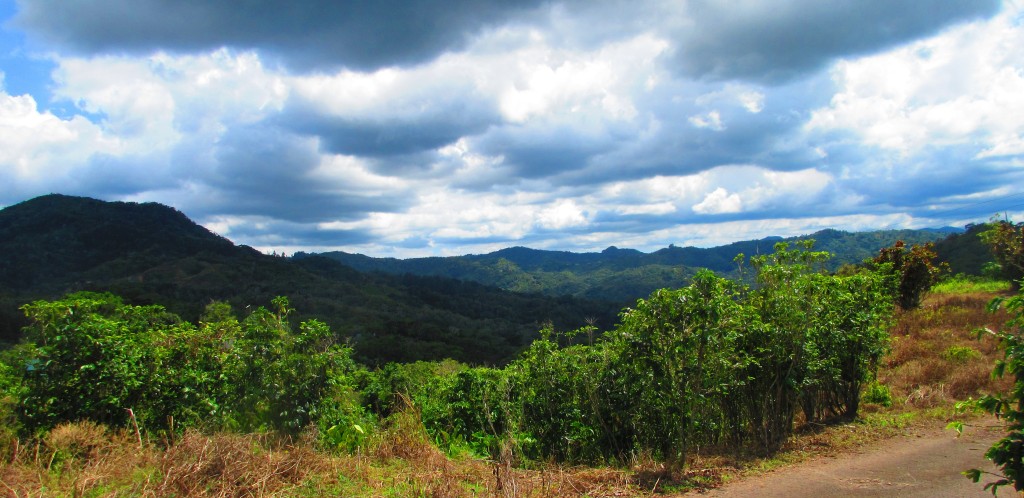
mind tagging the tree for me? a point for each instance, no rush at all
(1006, 240)
(911, 269)
(677, 346)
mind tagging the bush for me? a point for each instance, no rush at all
(1006, 240)
(92, 357)
(911, 269)
(960, 354)
(879, 394)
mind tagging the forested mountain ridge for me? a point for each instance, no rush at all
(623, 275)
(150, 253)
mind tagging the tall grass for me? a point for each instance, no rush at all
(937, 357)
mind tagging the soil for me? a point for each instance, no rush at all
(924, 463)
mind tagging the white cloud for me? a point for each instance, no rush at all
(38, 148)
(720, 201)
(545, 81)
(965, 86)
(564, 121)
(563, 214)
(153, 102)
(711, 120)
(752, 101)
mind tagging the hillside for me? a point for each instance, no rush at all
(621, 275)
(965, 252)
(150, 253)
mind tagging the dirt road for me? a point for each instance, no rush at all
(926, 463)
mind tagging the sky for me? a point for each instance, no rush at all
(395, 128)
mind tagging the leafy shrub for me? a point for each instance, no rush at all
(911, 269)
(1006, 240)
(92, 357)
(879, 394)
(1008, 452)
(960, 354)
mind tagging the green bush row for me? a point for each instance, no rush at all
(712, 363)
(716, 362)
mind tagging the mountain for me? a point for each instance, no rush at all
(965, 252)
(150, 253)
(621, 275)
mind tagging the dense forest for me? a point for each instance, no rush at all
(624, 275)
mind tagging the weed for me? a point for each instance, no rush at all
(878, 394)
(960, 354)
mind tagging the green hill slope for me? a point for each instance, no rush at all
(150, 253)
(620, 275)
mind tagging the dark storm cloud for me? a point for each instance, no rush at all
(270, 233)
(309, 34)
(384, 135)
(266, 172)
(771, 42)
(532, 152)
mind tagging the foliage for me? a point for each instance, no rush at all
(1008, 452)
(619, 275)
(878, 393)
(674, 358)
(912, 270)
(966, 253)
(149, 254)
(847, 337)
(708, 363)
(714, 362)
(963, 284)
(94, 357)
(1006, 241)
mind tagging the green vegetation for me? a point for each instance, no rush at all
(1006, 240)
(878, 393)
(965, 252)
(621, 275)
(151, 254)
(90, 356)
(580, 396)
(912, 269)
(711, 363)
(964, 284)
(1008, 452)
(220, 386)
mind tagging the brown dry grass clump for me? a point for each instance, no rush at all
(84, 458)
(937, 357)
(235, 466)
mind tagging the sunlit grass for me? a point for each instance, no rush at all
(965, 285)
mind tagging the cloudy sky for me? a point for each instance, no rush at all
(441, 127)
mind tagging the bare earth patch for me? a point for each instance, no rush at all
(925, 463)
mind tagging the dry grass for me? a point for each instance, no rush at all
(935, 360)
(937, 357)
